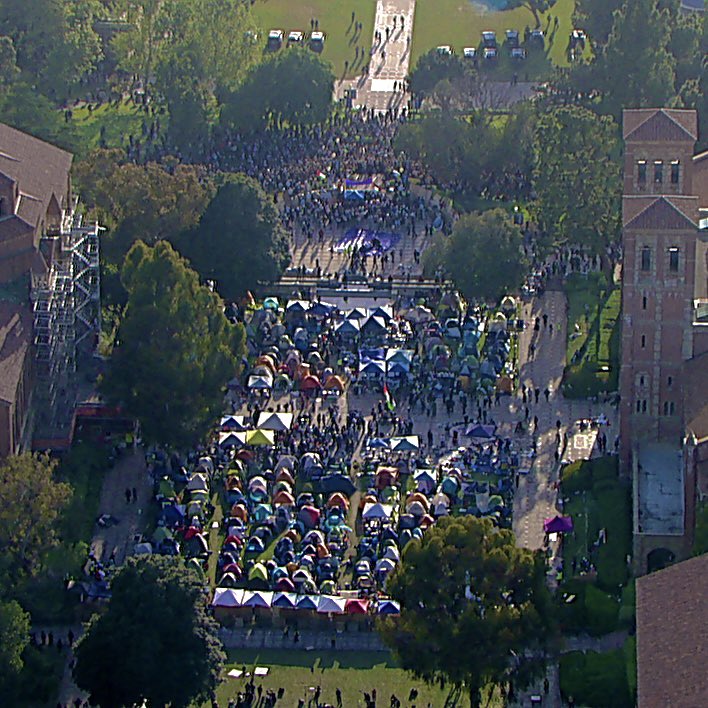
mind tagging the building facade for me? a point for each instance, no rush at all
(662, 281)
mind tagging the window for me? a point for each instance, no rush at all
(675, 171)
(639, 406)
(666, 408)
(669, 381)
(646, 258)
(644, 341)
(674, 260)
(658, 171)
(642, 172)
(641, 381)
(644, 405)
(671, 408)
(644, 302)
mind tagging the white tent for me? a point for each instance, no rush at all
(275, 421)
(331, 604)
(236, 438)
(233, 422)
(257, 598)
(260, 381)
(198, 483)
(376, 510)
(227, 597)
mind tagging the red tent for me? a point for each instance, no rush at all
(356, 607)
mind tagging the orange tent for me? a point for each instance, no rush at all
(334, 383)
(338, 499)
(417, 496)
(284, 498)
(238, 511)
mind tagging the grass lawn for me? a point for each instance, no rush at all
(460, 23)
(597, 499)
(593, 337)
(352, 672)
(334, 20)
(118, 123)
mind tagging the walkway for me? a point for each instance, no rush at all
(273, 638)
(129, 472)
(390, 57)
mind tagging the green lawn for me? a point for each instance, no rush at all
(460, 23)
(593, 336)
(334, 20)
(353, 672)
(597, 499)
(118, 123)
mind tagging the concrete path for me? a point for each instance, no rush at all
(129, 472)
(389, 60)
(249, 637)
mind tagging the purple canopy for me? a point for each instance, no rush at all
(558, 524)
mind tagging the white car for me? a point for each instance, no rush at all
(444, 50)
(295, 37)
(275, 39)
(469, 52)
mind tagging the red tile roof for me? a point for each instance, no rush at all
(659, 125)
(672, 636)
(662, 212)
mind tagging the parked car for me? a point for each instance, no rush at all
(275, 39)
(537, 38)
(295, 37)
(518, 53)
(317, 40)
(512, 38)
(444, 50)
(470, 53)
(489, 39)
(490, 53)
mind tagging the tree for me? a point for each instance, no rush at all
(596, 18)
(14, 637)
(535, 7)
(577, 178)
(474, 606)
(31, 501)
(294, 86)
(239, 240)
(434, 67)
(637, 69)
(155, 644)
(8, 61)
(175, 349)
(475, 251)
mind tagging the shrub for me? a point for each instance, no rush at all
(595, 680)
(576, 477)
(601, 611)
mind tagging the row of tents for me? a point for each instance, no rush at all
(234, 598)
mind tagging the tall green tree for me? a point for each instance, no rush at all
(294, 87)
(14, 638)
(434, 67)
(596, 18)
(9, 70)
(31, 501)
(535, 7)
(577, 178)
(474, 253)
(239, 240)
(175, 349)
(155, 644)
(474, 606)
(637, 69)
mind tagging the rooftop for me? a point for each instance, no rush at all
(15, 339)
(660, 490)
(672, 636)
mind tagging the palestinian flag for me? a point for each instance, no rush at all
(390, 401)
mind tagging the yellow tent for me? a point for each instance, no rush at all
(260, 437)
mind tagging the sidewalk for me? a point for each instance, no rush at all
(273, 638)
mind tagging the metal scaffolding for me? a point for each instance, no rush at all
(67, 314)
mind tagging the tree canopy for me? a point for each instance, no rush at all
(434, 67)
(535, 7)
(14, 637)
(483, 255)
(156, 642)
(294, 86)
(577, 177)
(239, 239)
(31, 501)
(472, 605)
(175, 349)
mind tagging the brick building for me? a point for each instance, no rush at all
(49, 289)
(664, 331)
